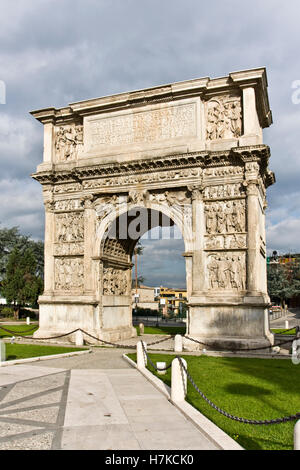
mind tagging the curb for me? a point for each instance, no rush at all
(212, 432)
(44, 358)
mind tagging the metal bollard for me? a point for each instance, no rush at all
(141, 358)
(297, 436)
(178, 343)
(178, 381)
(2, 352)
(286, 324)
(142, 328)
(79, 338)
(27, 320)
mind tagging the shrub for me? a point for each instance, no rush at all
(7, 312)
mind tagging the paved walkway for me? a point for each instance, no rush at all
(95, 401)
(293, 317)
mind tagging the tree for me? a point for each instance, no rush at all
(283, 281)
(139, 248)
(11, 238)
(21, 285)
(140, 281)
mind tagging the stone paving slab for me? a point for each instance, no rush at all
(92, 401)
(56, 407)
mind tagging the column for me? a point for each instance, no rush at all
(49, 248)
(253, 268)
(89, 239)
(198, 225)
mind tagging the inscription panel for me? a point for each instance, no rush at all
(161, 123)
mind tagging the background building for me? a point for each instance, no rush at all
(176, 300)
(146, 298)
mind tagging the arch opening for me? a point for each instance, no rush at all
(116, 252)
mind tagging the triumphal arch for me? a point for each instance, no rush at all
(190, 153)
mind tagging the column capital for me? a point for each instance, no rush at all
(196, 191)
(87, 201)
(251, 187)
(49, 205)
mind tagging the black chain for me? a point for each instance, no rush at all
(152, 364)
(228, 415)
(242, 349)
(284, 330)
(161, 340)
(20, 332)
(123, 346)
(51, 337)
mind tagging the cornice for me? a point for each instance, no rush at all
(170, 92)
(205, 159)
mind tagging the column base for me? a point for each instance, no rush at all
(112, 336)
(229, 344)
(229, 326)
(57, 319)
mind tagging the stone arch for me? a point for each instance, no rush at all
(114, 255)
(196, 145)
(179, 215)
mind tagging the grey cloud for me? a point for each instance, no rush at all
(56, 52)
(162, 263)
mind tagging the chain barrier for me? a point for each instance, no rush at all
(127, 346)
(220, 410)
(20, 332)
(39, 339)
(160, 369)
(122, 346)
(284, 331)
(228, 415)
(241, 349)
(161, 340)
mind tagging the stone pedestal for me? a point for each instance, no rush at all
(228, 327)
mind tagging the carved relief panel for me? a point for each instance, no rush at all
(115, 281)
(149, 177)
(68, 142)
(69, 227)
(67, 205)
(223, 171)
(69, 273)
(67, 188)
(223, 191)
(232, 241)
(69, 235)
(226, 271)
(224, 117)
(171, 198)
(225, 216)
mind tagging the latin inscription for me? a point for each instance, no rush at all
(149, 126)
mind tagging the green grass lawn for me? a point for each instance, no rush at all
(284, 331)
(24, 351)
(23, 330)
(163, 330)
(259, 389)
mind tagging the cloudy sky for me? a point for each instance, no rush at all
(59, 51)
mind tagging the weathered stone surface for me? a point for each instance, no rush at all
(191, 153)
